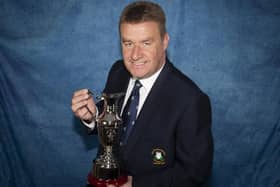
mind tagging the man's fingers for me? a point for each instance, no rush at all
(91, 106)
(83, 105)
(84, 114)
(80, 97)
(79, 105)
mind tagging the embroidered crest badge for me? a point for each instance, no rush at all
(158, 156)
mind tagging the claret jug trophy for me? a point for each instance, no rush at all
(106, 168)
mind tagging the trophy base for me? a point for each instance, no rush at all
(95, 182)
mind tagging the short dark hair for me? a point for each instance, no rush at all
(142, 11)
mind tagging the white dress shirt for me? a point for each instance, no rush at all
(147, 84)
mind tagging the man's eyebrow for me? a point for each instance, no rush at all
(144, 40)
(126, 40)
(147, 40)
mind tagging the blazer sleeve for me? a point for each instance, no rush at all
(194, 150)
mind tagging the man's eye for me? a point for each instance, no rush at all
(147, 43)
(127, 44)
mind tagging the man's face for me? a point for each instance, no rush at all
(143, 48)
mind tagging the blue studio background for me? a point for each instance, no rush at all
(49, 49)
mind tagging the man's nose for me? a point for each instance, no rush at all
(136, 53)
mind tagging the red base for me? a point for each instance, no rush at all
(103, 183)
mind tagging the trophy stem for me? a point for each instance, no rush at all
(108, 157)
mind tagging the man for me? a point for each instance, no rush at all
(170, 143)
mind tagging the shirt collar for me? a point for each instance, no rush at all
(148, 82)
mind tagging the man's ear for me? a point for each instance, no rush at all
(165, 41)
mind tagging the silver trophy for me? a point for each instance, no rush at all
(106, 169)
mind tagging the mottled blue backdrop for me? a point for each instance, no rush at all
(49, 49)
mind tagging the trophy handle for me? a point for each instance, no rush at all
(104, 99)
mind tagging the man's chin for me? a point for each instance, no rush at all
(138, 74)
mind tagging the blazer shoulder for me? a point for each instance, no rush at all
(118, 70)
(117, 78)
(183, 83)
(118, 66)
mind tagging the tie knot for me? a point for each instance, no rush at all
(137, 85)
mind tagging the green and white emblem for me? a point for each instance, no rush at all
(158, 156)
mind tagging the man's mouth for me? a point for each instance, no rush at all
(138, 64)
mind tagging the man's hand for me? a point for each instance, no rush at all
(128, 184)
(83, 105)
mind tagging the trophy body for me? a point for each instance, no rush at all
(106, 169)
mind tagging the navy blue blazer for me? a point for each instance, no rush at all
(171, 143)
